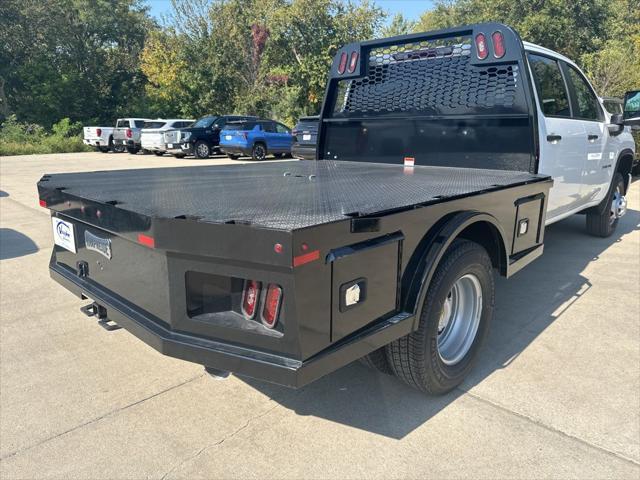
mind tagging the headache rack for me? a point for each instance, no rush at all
(435, 97)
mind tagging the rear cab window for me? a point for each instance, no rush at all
(122, 124)
(550, 86)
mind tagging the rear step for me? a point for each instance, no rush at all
(95, 310)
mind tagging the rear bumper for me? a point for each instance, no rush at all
(127, 142)
(225, 356)
(94, 142)
(153, 147)
(304, 152)
(236, 149)
(179, 148)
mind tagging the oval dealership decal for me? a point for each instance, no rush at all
(64, 231)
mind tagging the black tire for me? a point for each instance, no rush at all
(179, 155)
(133, 150)
(118, 148)
(377, 360)
(103, 149)
(601, 220)
(416, 358)
(111, 146)
(158, 154)
(202, 149)
(233, 156)
(146, 152)
(259, 152)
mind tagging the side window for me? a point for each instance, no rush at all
(139, 123)
(587, 104)
(268, 127)
(552, 92)
(281, 128)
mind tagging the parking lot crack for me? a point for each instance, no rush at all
(102, 417)
(219, 442)
(551, 428)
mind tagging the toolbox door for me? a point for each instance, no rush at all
(365, 279)
(528, 227)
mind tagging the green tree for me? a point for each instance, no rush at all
(602, 36)
(71, 58)
(398, 26)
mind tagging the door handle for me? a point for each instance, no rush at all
(592, 138)
(554, 138)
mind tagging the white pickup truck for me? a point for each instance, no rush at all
(101, 138)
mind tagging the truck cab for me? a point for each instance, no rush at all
(579, 147)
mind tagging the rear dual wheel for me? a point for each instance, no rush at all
(454, 322)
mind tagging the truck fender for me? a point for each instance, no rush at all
(433, 246)
(624, 164)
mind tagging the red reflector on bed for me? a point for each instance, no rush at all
(43, 204)
(146, 240)
(306, 258)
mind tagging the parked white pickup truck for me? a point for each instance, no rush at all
(101, 138)
(127, 133)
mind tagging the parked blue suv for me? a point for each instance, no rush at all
(257, 138)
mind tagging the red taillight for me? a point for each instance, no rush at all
(498, 44)
(353, 62)
(250, 295)
(129, 133)
(146, 240)
(343, 63)
(43, 203)
(271, 307)
(481, 46)
(99, 132)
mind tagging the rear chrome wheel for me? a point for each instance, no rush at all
(459, 319)
(454, 321)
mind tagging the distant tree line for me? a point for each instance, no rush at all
(95, 60)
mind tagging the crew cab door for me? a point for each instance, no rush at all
(599, 156)
(562, 139)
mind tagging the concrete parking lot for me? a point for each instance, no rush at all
(556, 393)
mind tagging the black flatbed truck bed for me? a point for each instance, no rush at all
(210, 225)
(287, 271)
(284, 196)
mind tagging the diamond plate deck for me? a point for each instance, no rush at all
(282, 195)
